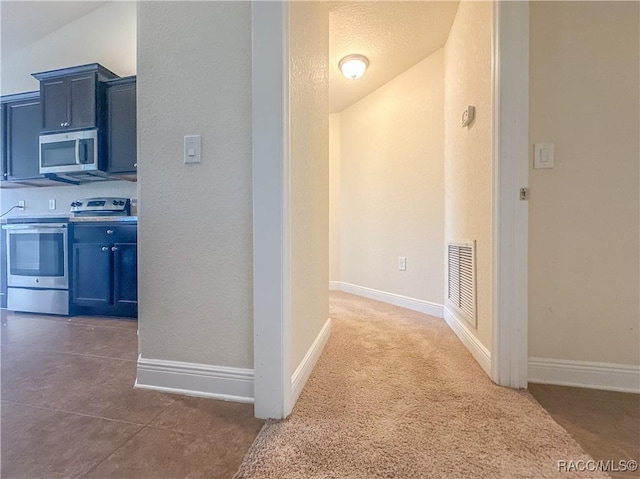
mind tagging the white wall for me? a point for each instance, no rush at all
(37, 199)
(334, 197)
(195, 266)
(583, 220)
(309, 156)
(106, 35)
(467, 151)
(391, 185)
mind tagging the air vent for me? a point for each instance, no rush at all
(461, 279)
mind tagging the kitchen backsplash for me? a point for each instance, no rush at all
(37, 199)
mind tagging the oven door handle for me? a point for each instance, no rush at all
(30, 227)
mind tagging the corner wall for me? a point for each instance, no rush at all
(195, 228)
(309, 163)
(468, 150)
(583, 224)
(334, 197)
(391, 187)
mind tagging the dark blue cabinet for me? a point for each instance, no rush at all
(20, 132)
(105, 269)
(73, 98)
(121, 125)
(92, 275)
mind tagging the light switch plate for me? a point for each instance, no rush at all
(543, 156)
(192, 149)
(402, 263)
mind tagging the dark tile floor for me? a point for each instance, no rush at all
(68, 408)
(605, 423)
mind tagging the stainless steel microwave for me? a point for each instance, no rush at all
(75, 151)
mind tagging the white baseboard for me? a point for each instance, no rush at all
(459, 326)
(304, 369)
(585, 374)
(420, 305)
(191, 379)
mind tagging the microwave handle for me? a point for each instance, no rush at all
(77, 151)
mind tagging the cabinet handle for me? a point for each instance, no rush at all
(135, 165)
(105, 248)
(114, 248)
(109, 232)
(62, 124)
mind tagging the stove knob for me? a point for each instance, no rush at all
(114, 202)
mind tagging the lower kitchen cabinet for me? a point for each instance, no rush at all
(105, 274)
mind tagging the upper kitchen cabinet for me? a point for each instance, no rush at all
(73, 98)
(21, 115)
(121, 125)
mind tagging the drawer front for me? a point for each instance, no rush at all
(105, 233)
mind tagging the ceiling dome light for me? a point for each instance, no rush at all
(353, 66)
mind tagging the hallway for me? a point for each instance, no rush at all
(395, 394)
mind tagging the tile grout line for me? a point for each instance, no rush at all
(69, 353)
(73, 412)
(143, 427)
(71, 323)
(107, 456)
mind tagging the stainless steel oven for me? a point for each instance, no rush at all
(37, 266)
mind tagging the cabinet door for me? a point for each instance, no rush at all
(55, 102)
(125, 274)
(23, 130)
(121, 107)
(3, 142)
(82, 98)
(92, 278)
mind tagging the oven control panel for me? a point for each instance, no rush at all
(106, 205)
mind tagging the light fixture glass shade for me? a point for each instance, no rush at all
(354, 66)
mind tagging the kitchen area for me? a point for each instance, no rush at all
(68, 195)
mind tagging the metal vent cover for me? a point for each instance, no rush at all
(461, 279)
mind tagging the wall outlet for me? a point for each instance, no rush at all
(52, 204)
(21, 204)
(402, 263)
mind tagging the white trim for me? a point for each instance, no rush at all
(460, 327)
(510, 74)
(334, 285)
(585, 374)
(420, 305)
(202, 380)
(271, 218)
(303, 371)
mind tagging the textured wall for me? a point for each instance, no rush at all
(334, 197)
(391, 174)
(583, 214)
(467, 151)
(106, 35)
(309, 153)
(195, 228)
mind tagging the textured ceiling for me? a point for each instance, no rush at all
(24, 22)
(393, 35)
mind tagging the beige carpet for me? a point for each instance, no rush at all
(396, 395)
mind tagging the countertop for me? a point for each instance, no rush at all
(104, 219)
(71, 219)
